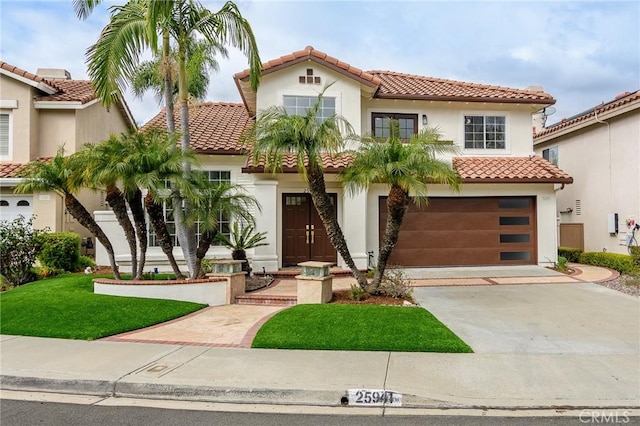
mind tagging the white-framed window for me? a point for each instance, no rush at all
(224, 222)
(299, 105)
(5, 136)
(551, 154)
(485, 132)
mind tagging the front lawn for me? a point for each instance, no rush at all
(358, 327)
(65, 307)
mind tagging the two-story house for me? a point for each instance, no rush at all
(600, 148)
(504, 214)
(39, 113)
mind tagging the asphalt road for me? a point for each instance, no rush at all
(30, 413)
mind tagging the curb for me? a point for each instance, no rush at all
(285, 397)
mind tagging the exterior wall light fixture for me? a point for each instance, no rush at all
(425, 119)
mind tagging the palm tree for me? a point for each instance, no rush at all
(201, 60)
(240, 239)
(112, 61)
(106, 166)
(213, 201)
(407, 168)
(307, 137)
(62, 175)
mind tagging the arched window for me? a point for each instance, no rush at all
(4, 203)
(23, 203)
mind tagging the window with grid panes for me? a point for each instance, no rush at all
(381, 122)
(4, 135)
(484, 132)
(215, 177)
(299, 105)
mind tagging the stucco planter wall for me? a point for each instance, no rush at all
(211, 291)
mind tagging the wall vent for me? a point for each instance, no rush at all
(578, 207)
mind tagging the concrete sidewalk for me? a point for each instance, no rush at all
(425, 380)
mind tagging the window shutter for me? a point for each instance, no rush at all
(4, 134)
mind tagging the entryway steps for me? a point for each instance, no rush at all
(269, 300)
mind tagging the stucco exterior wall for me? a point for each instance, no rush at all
(448, 118)
(56, 128)
(23, 120)
(604, 161)
(285, 82)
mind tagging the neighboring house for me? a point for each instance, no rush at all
(505, 213)
(38, 113)
(600, 148)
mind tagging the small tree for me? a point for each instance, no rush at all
(240, 240)
(19, 248)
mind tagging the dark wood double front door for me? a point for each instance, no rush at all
(303, 234)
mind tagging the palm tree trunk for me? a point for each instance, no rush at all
(168, 83)
(397, 205)
(156, 218)
(84, 218)
(203, 246)
(186, 234)
(137, 210)
(325, 209)
(115, 198)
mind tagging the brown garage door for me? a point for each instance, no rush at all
(466, 231)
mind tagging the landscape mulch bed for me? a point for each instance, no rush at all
(342, 296)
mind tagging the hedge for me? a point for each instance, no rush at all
(571, 254)
(620, 262)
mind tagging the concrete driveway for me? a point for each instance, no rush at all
(538, 319)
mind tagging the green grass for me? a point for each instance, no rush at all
(358, 327)
(65, 307)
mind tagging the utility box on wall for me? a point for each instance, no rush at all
(612, 223)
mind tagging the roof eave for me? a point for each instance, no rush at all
(568, 180)
(414, 97)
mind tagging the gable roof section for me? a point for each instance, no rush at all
(396, 85)
(619, 105)
(29, 78)
(215, 127)
(532, 169)
(14, 170)
(71, 91)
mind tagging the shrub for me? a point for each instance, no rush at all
(562, 263)
(61, 250)
(356, 293)
(48, 272)
(635, 254)
(395, 284)
(19, 248)
(84, 262)
(620, 262)
(571, 254)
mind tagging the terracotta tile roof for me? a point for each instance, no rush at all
(311, 54)
(71, 91)
(215, 127)
(331, 163)
(27, 75)
(620, 101)
(396, 85)
(532, 169)
(10, 170)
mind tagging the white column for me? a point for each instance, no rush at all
(266, 192)
(354, 227)
(109, 224)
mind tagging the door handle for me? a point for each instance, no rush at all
(313, 234)
(307, 234)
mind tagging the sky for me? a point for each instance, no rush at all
(583, 53)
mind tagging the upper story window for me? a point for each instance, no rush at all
(381, 122)
(299, 105)
(551, 154)
(484, 132)
(4, 135)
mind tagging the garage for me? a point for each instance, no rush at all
(13, 206)
(466, 231)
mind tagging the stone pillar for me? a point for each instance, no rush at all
(266, 192)
(354, 227)
(315, 284)
(232, 271)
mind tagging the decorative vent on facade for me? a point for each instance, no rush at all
(578, 207)
(309, 78)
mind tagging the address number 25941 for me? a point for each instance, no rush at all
(374, 397)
